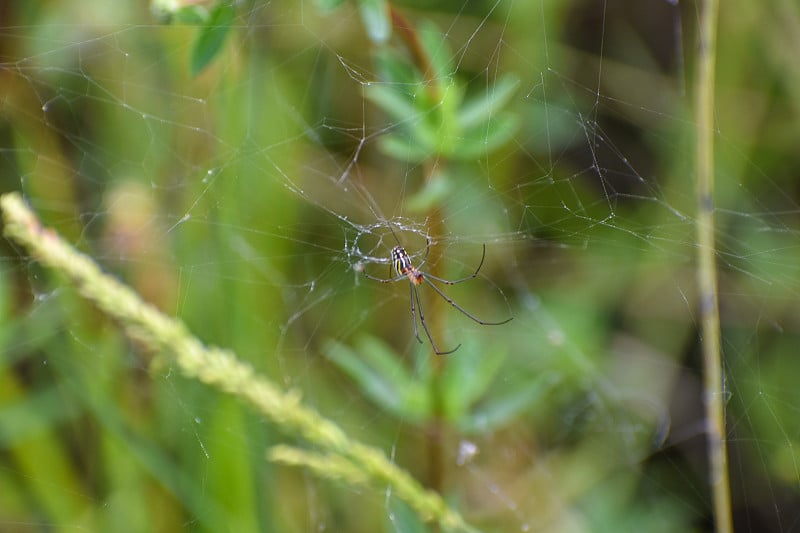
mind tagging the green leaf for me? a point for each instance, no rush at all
(33, 414)
(499, 409)
(212, 36)
(375, 16)
(328, 5)
(432, 194)
(168, 13)
(478, 110)
(392, 101)
(486, 138)
(446, 128)
(193, 14)
(434, 42)
(371, 383)
(395, 69)
(468, 377)
(402, 148)
(379, 375)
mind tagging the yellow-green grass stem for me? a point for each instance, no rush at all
(714, 392)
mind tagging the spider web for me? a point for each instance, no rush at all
(250, 199)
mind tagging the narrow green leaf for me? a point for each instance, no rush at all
(446, 127)
(478, 110)
(395, 69)
(34, 414)
(168, 13)
(328, 5)
(383, 360)
(212, 36)
(504, 406)
(486, 138)
(435, 45)
(412, 389)
(392, 101)
(370, 382)
(193, 14)
(402, 149)
(375, 16)
(381, 378)
(432, 194)
(467, 378)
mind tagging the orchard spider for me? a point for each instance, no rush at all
(405, 269)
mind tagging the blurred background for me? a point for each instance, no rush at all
(241, 166)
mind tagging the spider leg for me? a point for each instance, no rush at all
(473, 276)
(425, 326)
(464, 311)
(411, 292)
(427, 250)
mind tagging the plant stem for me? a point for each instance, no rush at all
(437, 428)
(409, 35)
(714, 390)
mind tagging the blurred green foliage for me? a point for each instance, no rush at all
(223, 159)
(211, 37)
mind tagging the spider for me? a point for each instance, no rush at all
(405, 269)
